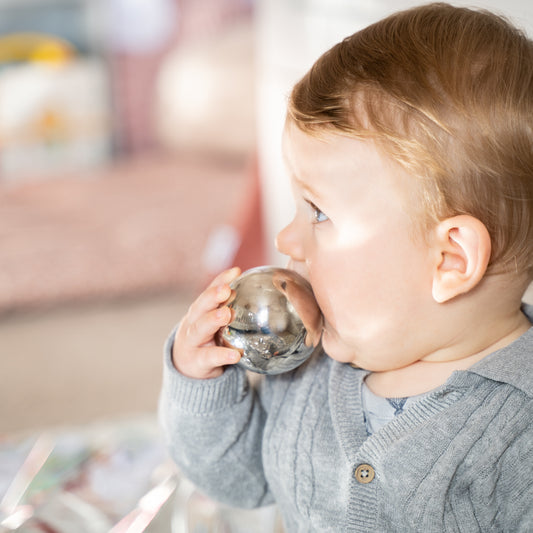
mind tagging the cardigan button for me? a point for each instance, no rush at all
(364, 473)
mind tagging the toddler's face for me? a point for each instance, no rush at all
(352, 238)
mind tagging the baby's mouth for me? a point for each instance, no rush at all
(299, 268)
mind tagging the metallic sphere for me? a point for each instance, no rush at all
(276, 320)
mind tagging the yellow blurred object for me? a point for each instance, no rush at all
(35, 47)
(52, 126)
(54, 117)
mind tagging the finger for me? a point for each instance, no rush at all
(218, 357)
(202, 331)
(217, 293)
(192, 341)
(209, 362)
(226, 277)
(209, 300)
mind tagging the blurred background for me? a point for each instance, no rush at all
(128, 172)
(139, 155)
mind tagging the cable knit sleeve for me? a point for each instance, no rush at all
(214, 431)
(513, 493)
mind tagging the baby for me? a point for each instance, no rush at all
(410, 150)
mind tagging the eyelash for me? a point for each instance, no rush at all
(318, 216)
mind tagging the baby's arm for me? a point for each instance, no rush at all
(513, 493)
(213, 426)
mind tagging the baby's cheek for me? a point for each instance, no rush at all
(321, 293)
(330, 287)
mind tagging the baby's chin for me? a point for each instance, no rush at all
(336, 349)
(344, 352)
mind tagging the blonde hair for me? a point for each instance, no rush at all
(448, 93)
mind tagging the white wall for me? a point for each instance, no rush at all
(291, 35)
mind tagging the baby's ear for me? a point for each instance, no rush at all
(462, 252)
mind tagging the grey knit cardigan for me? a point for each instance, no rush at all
(459, 460)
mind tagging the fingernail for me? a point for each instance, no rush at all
(222, 291)
(234, 356)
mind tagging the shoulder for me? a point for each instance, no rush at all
(512, 365)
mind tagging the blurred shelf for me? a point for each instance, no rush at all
(138, 226)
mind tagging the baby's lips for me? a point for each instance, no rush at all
(303, 300)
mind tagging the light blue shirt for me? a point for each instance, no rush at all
(379, 411)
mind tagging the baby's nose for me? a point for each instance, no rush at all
(288, 242)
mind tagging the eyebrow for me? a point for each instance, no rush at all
(306, 187)
(295, 178)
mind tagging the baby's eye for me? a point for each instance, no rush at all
(316, 214)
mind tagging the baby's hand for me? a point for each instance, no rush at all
(195, 353)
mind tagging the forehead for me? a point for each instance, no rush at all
(308, 154)
(336, 164)
(328, 154)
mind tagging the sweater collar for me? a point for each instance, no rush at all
(512, 364)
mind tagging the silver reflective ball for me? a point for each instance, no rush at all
(275, 319)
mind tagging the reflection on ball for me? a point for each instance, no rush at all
(274, 309)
